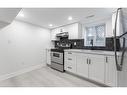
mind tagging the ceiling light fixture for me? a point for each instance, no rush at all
(50, 25)
(69, 18)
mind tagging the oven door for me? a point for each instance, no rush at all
(57, 57)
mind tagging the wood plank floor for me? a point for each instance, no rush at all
(46, 77)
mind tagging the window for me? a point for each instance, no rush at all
(95, 34)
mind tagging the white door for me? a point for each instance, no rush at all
(110, 71)
(82, 65)
(96, 68)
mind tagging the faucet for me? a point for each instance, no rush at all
(91, 42)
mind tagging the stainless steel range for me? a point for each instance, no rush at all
(57, 54)
(57, 59)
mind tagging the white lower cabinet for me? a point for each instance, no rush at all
(99, 68)
(91, 66)
(70, 62)
(96, 68)
(82, 65)
(110, 71)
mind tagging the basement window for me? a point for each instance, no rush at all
(96, 34)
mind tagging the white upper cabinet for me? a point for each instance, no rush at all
(54, 32)
(109, 31)
(74, 31)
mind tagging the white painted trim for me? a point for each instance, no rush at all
(25, 70)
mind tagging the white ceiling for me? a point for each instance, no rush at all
(59, 16)
(8, 14)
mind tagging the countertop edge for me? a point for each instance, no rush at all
(100, 52)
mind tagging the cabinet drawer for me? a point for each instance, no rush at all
(70, 59)
(69, 66)
(70, 55)
(70, 62)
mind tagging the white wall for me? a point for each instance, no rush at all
(22, 45)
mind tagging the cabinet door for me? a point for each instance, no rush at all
(82, 65)
(70, 62)
(72, 30)
(54, 32)
(110, 71)
(96, 68)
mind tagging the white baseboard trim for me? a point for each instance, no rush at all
(28, 69)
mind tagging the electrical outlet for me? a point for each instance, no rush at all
(75, 43)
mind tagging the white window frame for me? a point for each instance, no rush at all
(85, 35)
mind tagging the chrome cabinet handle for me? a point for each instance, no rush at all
(89, 61)
(69, 53)
(69, 59)
(69, 67)
(106, 59)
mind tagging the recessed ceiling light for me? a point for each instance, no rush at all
(69, 18)
(50, 25)
(21, 15)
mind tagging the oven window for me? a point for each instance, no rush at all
(56, 55)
